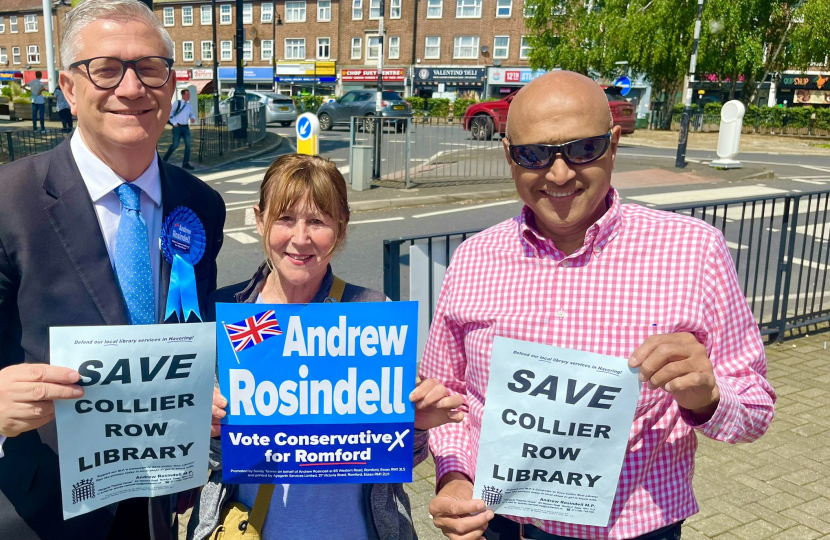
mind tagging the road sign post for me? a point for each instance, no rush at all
(308, 134)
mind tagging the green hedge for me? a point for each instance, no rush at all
(712, 108)
(461, 105)
(439, 107)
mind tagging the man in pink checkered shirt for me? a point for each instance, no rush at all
(577, 269)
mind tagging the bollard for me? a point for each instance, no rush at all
(729, 137)
(361, 169)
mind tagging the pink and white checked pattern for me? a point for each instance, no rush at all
(640, 272)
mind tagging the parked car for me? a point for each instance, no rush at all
(362, 103)
(278, 108)
(482, 120)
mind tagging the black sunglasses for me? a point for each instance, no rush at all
(107, 72)
(578, 152)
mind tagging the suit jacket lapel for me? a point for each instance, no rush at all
(73, 218)
(173, 195)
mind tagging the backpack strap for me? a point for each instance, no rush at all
(336, 291)
(256, 520)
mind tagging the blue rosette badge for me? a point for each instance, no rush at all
(183, 244)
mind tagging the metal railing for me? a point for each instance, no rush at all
(227, 132)
(704, 123)
(780, 246)
(431, 151)
(18, 144)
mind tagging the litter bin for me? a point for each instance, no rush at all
(361, 168)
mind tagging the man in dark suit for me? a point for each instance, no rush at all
(79, 245)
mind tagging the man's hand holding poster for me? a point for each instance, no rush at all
(554, 432)
(317, 393)
(142, 428)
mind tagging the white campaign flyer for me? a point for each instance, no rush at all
(142, 428)
(554, 432)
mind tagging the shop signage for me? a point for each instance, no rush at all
(807, 82)
(309, 69)
(300, 79)
(371, 75)
(202, 74)
(512, 76)
(812, 97)
(450, 75)
(249, 74)
(183, 74)
(10, 75)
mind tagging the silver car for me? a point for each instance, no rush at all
(278, 108)
(362, 103)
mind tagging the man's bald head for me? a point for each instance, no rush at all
(558, 107)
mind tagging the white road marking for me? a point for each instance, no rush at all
(242, 192)
(245, 180)
(250, 217)
(812, 264)
(399, 218)
(243, 238)
(229, 173)
(701, 195)
(337, 160)
(733, 245)
(818, 177)
(344, 169)
(805, 181)
(464, 209)
(242, 205)
(238, 229)
(814, 168)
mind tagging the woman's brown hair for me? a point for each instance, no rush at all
(293, 178)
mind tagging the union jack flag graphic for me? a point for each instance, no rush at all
(253, 330)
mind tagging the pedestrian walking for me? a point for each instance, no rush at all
(181, 115)
(64, 110)
(36, 87)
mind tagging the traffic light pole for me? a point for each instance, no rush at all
(379, 96)
(680, 160)
(239, 98)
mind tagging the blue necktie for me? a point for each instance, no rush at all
(132, 258)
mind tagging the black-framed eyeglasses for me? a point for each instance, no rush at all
(578, 152)
(107, 72)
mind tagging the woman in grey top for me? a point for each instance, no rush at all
(302, 217)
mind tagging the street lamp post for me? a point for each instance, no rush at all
(239, 97)
(215, 60)
(277, 21)
(680, 160)
(379, 96)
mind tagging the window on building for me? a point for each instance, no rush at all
(207, 50)
(15, 54)
(295, 11)
(187, 51)
(266, 12)
(323, 48)
(225, 14)
(4, 57)
(247, 13)
(30, 22)
(13, 24)
(2, 25)
(524, 52)
(501, 46)
(528, 11)
(323, 10)
(394, 48)
(169, 17)
(357, 11)
(465, 47)
(267, 50)
(395, 9)
(226, 51)
(468, 8)
(374, 9)
(433, 47)
(435, 9)
(295, 48)
(504, 8)
(207, 16)
(372, 47)
(357, 48)
(187, 15)
(248, 51)
(33, 54)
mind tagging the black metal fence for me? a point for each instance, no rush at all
(786, 124)
(780, 246)
(226, 132)
(21, 143)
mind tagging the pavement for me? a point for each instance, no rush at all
(776, 488)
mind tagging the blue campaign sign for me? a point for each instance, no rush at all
(303, 128)
(624, 84)
(317, 393)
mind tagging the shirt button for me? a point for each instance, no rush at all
(566, 263)
(598, 250)
(560, 314)
(537, 523)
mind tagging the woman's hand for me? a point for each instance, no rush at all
(219, 404)
(433, 407)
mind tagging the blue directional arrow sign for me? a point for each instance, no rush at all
(304, 128)
(624, 84)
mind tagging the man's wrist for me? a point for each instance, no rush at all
(452, 476)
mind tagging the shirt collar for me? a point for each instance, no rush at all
(101, 180)
(598, 235)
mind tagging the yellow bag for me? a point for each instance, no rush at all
(237, 522)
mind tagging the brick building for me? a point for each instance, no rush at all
(23, 39)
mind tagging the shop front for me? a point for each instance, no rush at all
(306, 78)
(394, 79)
(202, 79)
(255, 78)
(804, 89)
(10, 76)
(502, 81)
(449, 82)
